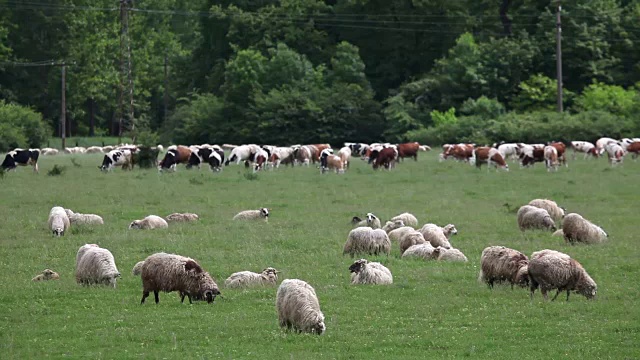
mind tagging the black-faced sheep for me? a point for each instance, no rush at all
(438, 236)
(531, 217)
(47, 274)
(298, 307)
(170, 272)
(409, 239)
(182, 217)
(261, 214)
(95, 265)
(365, 272)
(365, 240)
(407, 218)
(247, 279)
(58, 221)
(549, 269)
(149, 222)
(578, 229)
(555, 211)
(499, 263)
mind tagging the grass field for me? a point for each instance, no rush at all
(433, 309)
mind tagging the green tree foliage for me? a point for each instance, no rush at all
(612, 98)
(21, 127)
(198, 120)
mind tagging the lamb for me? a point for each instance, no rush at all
(149, 222)
(374, 273)
(298, 307)
(409, 239)
(95, 265)
(556, 212)
(247, 279)
(549, 269)
(398, 233)
(499, 264)
(47, 274)
(578, 229)
(83, 219)
(392, 225)
(438, 236)
(558, 232)
(408, 219)
(531, 217)
(424, 251)
(449, 254)
(364, 240)
(58, 221)
(371, 221)
(137, 268)
(170, 272)
(262, 213)
(181, 217)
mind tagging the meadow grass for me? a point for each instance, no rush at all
(433, 309)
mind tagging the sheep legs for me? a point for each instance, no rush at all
(182, 298)
(145, 294)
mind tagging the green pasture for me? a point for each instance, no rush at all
(433, 309)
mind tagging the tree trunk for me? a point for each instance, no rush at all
(92, 117)
(506, 22)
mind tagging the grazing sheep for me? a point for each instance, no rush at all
(398, 233)
(392, 225)
(531, 217)
(247, 279)
(450, 254)
(150, 222)
(558, 232)
(170, 272)
(95, 265)
(578, 229)
(298, 307)
(83, 219)
(499, 263)
(425, 251)
(409, 239)
(182, 217)
(137, 268)
(555, 211)
(438, 236)
(365, 240)
(47, 274)
(408, 219)
(58, 221)
(261, 214)
(374, 273)
(549, 269)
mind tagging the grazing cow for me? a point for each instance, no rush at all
(328, 161)
(282, 155)
(551, 158)
(260, 159)
(345, 156)
(634, 148)
(114, 158)
(584, 147)
(602, 143)
(616, 153)
(561, 149)
(531, 154)
(508, 150)
(460, 152)
(21, 157)
(175, 155)
(385, 157)
(408, 150)
(242, 153)
(357, 148)
(214, 156)
(302, 155)
(490, 156)
(319, 148)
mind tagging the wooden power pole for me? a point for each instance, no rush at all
(63, 107)
(126, 75)
(559, 56)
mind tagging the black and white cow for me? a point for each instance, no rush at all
(117, 158)
(21, 157)
(213, 156)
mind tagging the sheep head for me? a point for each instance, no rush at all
(318, 326)
(208, 288)
(370, 218)
(264, 212)
(270, 273)
(358, 265)
(58, 232)
(355, 220)
(135, 224)
(449, 230)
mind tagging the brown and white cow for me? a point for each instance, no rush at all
(319, 147)
(408, 150)
(551, 158)
(385, 157)
(584, 147)
(328, 161)
(531, 154)
(175, 155)
(461, 152)
(616, 153)
(490, 156)
(634, 148)
(561, 148)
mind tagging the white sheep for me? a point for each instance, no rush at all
(499, 263)
(47, 274)
(365, 272)
(96, 265)
(298, 307)
(261, 214)
(247, 279)
(409, 239)
(450, 254)
(578, 229)
(182, 217)
(365, 240)
(392, 225)
(550, 269)
(58, 221)
(407, 218)
(397, 234)
(556, 212)
(438, 236)
(531, 217)
(370, 220)
(83, 219)
(425, 251)
(149, 222)
(559, 233)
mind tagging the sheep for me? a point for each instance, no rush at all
(499, 263)
(558, 232)
(364, 240)
(392, 225)
(182, 217)
(438, 236)
(47, 274)
(424, 251)
(371, 221)
(58, 221)
(556, 212)
(247, 279)
(95, 265)
(408, 219)
(262, 213)
(531, 217)
(137, 268)
(83, 219)
(149, 222)
(171, 272)
(298, 307)
(398, 233)
(449, 254)
(374, 273)
(578, 229)
(549, 269)
(409, 239)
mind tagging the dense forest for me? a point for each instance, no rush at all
(306, 71)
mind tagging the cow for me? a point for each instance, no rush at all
(508, 150)
(634, 148)
(561, 148)
(461, 152)
(242, 153)
(408, 150)
(616, 153)
(602, 143)
(356, 148)
(319, 147)
(302, 155)
(385, 157)
(114, 158)
(551, 158)
(531, 154)
(345, 156)
(584, 147)
(260, 159)
(214, 156)
(21, 157)
(490, 156)
(175, 155)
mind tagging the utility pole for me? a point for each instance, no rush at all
(166, 88)
(126, 75)
(63, 107)
(559, 56)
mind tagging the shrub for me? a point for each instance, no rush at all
(21, 127)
